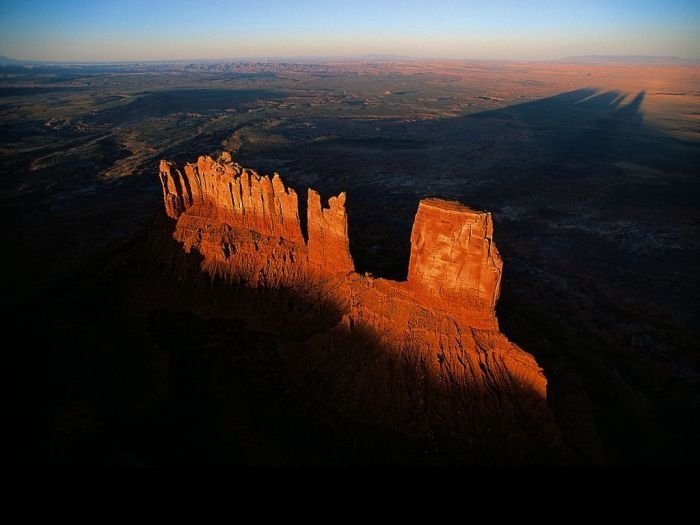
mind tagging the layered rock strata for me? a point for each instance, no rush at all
(454, 263)
(421, 356)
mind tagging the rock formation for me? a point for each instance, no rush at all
(454, 264)
(423, 356)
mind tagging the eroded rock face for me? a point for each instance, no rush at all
(239, 195)
(422, 356)
(222, 193)
(454, 263)
(329, 246)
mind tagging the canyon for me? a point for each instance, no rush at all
(423, 356)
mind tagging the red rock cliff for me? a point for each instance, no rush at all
(328, 234)
(443, 365)
(454, 263)
(241, 198)
(252, 201)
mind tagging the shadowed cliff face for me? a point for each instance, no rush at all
(423, 356)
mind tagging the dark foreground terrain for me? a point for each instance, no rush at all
(590, 172)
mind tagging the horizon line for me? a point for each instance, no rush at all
(379, 57)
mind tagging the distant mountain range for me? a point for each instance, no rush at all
(630, 59)
(585, 59)
(7, 61)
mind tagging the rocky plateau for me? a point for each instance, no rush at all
(423, 357)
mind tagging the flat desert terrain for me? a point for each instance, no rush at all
(590, 171)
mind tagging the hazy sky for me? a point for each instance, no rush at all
(191, 29)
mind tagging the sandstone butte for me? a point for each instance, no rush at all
(439, 363)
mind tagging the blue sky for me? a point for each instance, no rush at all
(191, 29)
